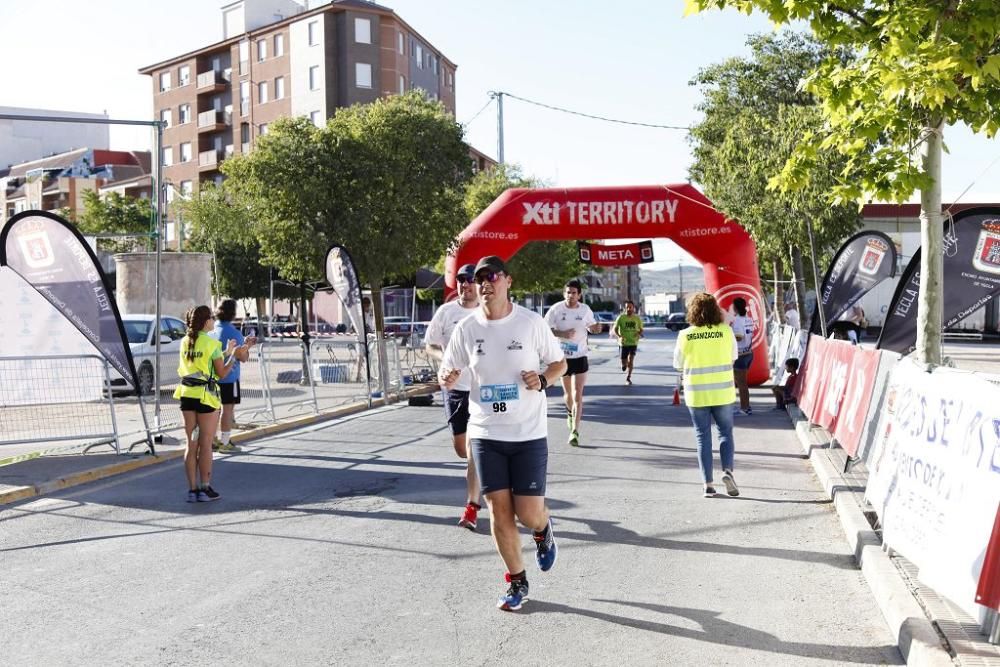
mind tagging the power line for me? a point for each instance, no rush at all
(592, 116)
(476, 115)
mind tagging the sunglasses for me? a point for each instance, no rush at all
(492, 277)
(465, 278)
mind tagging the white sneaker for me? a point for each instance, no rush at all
(731, 488)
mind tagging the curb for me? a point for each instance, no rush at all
(83, 477)
(917, 639)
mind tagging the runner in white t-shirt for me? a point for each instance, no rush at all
(742, 326)
(511, 356)
(571, 320)
(436, 340)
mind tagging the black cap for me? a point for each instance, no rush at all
(491, 262)
(466, 270)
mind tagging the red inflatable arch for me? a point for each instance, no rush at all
(676, 212)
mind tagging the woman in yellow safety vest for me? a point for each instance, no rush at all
(704, 354)
(202, 365)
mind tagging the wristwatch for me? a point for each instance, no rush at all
(544, 383)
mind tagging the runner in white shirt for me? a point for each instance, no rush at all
(571, 320)
(511, 356)
(436, 340)
(742, 326)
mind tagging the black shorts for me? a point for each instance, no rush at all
(517, 466)
(743, 361)
(457, 406)
(230, 392)
(195, 405)
(629, 349)
(576, 366)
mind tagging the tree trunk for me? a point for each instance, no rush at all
(779, 290)
(799, 282)
(380, 346)
(929, 306)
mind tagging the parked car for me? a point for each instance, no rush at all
(676, 321)
(606, 319)
(139, 332)
(401, 326)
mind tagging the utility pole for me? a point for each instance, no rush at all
(680, 276)
(498, 96)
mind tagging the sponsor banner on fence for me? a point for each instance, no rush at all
(935, 475)
(855, 408)
(876, 412)
(808, 388)
(836, 369)
(54, 258)
(615, 255)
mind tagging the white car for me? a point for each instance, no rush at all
(139, 335)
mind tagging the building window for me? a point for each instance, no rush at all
(402, 84)
(187, 189)
(363, 75)
(244, 98)
(183, 75)
(420, 57)
(279, 45)
(261, 50)
(314, 77)
(167, 156)
(451, 79)
(244, 133)
(262, 128)
(362, 31)
(244, 57)
(186, 152)
(316, 117)
(262, 92)
(401, 43)
(313, 33)
(279, 88)
(184, 114)
(166, 117)
(164, 81)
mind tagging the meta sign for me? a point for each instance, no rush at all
(616, 255)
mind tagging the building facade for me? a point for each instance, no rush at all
(24, 140)
(281, 58)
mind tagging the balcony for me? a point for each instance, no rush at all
(211, 82)
(209, 160)
(213, 121)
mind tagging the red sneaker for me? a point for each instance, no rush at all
(468, 519)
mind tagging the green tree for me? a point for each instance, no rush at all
(385, 179)
(116, 214)
(754, 111)
(540, 266)
(918, 65)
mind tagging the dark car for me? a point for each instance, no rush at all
(676, 321)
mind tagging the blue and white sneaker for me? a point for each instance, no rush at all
(193, 496)
(545, 548)
(516, 594)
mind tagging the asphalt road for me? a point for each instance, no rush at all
(338, 545)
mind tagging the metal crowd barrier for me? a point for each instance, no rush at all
(57, 399)
(288, 376)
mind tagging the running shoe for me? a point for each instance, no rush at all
(468, 519)
(517, 593)
(747, 412)
(208, 494)
(709, 491)
(574, 438)
(545, 548)
(624, 367)
(731, 488)
(229, 448)
(193, 496)
(216, 445)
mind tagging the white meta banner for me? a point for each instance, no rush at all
(935, 475)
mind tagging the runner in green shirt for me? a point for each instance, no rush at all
(628, 330)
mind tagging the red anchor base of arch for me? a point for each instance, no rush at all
(677, 212)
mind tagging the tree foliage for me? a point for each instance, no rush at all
(115, 213)
(540, 266)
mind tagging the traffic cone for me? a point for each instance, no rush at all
(677, 396)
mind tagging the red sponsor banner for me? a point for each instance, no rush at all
(811, 375)
(616, 255)
(850, 421)
(988, 591)
(836, 369)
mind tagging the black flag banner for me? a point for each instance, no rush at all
(54, 258)
(865, 260)
(971, 277)
(343, 278)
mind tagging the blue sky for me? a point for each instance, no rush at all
(630, 60)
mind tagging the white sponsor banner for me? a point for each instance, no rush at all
(935, 475)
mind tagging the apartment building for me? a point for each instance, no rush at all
(284, 58)
(24, 140)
